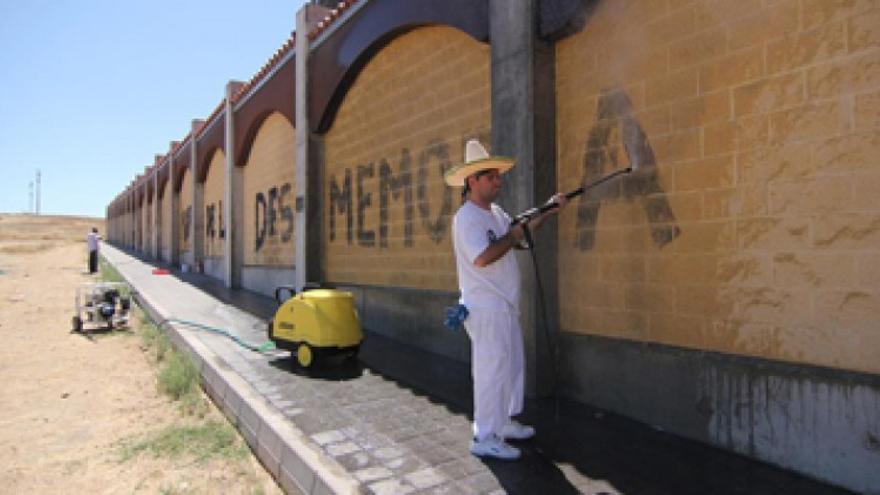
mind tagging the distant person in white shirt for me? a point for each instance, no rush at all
(488, 277)
(92, 242)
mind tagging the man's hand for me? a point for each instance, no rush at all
(501, 246)
(517, 233)
(560, 201)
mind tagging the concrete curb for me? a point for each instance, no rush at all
(283, 449)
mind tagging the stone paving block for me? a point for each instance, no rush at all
(282, 404)
(425, 478)
(402, 434)
(357, 460)
(405, 465)
(374, 473)
(391, 487)
(342, 448)
(444, 489)
(438, 455)
(388, 453)
(417, 444)
(372, 441)
(449, 438)
(310, 422)
(483, 482)
(292, 412)
(328, 437)
(457, 469)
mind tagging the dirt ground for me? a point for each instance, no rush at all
(70, 403)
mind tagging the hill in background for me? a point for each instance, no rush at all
(26, 233)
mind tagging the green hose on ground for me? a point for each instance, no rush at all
(268, 346)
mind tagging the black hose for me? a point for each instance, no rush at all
(552, 348)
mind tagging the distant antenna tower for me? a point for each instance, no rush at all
(38, 192)
(30, 197)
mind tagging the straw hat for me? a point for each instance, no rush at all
(475, 159)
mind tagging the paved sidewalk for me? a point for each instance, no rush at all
(396, 420)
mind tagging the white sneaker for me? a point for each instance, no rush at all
(493, 446)
(514, 430)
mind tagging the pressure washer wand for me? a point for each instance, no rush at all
(533, 212)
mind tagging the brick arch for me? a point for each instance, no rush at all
(336, 63)
(403, 123)
(212, 137)
(205, 162)
(252, 130)
(180, 164)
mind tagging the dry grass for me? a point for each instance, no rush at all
(31, 234)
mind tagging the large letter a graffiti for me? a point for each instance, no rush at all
(616, 124)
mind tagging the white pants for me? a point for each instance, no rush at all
(498, 368)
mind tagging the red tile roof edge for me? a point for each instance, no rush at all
(266, 68)
(328, 21)
(181, 144)
(214, 114)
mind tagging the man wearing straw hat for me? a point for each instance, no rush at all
(488, 277)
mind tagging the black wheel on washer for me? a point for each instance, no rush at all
(353, 354)
(77, 324)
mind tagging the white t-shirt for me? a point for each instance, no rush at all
(92, 241)
(495, 286)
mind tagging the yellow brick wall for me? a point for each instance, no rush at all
(215, 223)
(185, 214)
(412, 108)
(756, 230)
(270, 195)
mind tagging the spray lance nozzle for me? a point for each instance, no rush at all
(538, 210)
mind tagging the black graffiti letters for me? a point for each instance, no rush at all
(615, 122)
(209, 221)
(286, 212)
(436, 227)
(186, 221)
(393, 187)
(210, 227)
(397, 186)
(260, 226)
(340, 201)
(268, 208)
(366, 238)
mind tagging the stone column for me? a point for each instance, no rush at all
(233, 248)
(523, 126)
(197, 221)
(309, 166)
(174, 242)
(141, 224)
(154, 214)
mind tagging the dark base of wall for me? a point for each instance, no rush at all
(822, 422)
(411, 316)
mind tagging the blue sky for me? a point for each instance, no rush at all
(92, 90)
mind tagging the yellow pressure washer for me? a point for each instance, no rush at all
(316, 322)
